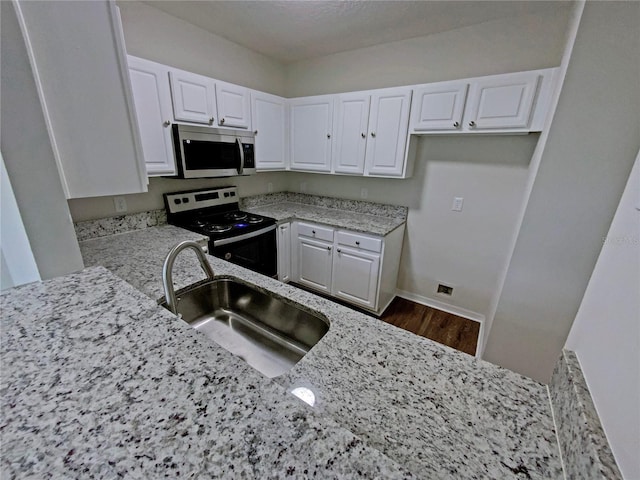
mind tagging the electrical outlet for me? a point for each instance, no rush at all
(444, 289)
(120, 203)
(457, 204)
(269, 187)
(303, 187)
(364, 193)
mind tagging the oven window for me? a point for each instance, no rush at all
(210, 155)
(258, 253)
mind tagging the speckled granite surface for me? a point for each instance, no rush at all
(437, 412)
(585, 449)
(99, 382)
(120, 224)
(354, 206)
(358, 222)
(355, 215)
(366, 217)
(137, 257)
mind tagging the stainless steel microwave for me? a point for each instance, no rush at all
(203, 152)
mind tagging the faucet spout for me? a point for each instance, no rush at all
(167, 270)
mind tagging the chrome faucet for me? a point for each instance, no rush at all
(167, 269)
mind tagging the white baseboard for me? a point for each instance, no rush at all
(445, 307)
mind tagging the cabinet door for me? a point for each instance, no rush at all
(505, 101)
(152, 99)
(352, 119)
(355, 276)
(438, 107)
(284, 252)
(83, 79)
(233, 104)
(314, 264)
(388, 128)
(311, 121)
(193, 97)
(269, 123)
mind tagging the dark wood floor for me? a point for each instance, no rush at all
(442, 327)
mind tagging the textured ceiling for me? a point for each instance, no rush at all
(290, 31)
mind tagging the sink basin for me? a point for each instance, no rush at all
(269, 333)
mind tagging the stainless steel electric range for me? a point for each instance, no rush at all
(242, 238)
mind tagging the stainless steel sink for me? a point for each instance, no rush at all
(269, 333)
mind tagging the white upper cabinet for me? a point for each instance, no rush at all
(388, 128)
(193, 97)
(311, 130)
(234, 105)
(352, 120)
(83, 83)
(503, 101)
(269, 115)
(152, 98)
(438, 106)
(508, 103)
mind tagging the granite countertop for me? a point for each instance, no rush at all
(100, 382)
(333, 217)
(432, 410)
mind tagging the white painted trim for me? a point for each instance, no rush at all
(534, 166)
(445, 307)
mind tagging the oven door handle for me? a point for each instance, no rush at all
(241, 166)
(239, 238)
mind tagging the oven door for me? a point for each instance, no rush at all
(255, 250)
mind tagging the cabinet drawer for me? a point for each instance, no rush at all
(360, 241)
(315, 231)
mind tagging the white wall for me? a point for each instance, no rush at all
(591, 147)
(467, 249)
(498, 46)
(463, 249)
(606, 332)
(152, 34)
(100, 207)
(29, 159)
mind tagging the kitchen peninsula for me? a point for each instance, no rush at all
(100, 381)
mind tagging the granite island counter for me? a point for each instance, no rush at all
(423, 408)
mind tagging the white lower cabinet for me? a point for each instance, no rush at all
(284, 252)
(355, 276)
(315, 260)
(358, 268)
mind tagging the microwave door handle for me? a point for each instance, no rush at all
(241, 166)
